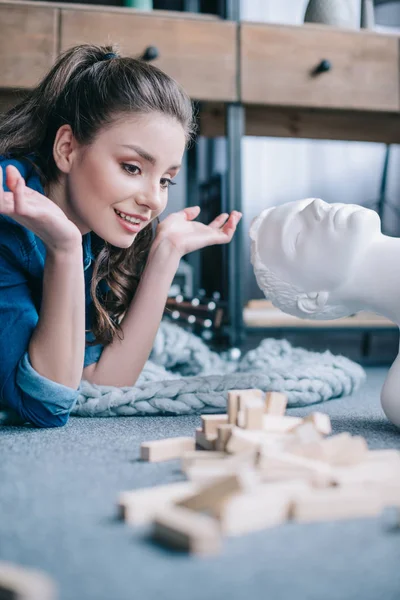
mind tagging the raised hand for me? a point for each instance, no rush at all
(37, 213)
(187, 235)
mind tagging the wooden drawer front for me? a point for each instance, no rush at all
(27, 44)
(199, 54)
(277, 63)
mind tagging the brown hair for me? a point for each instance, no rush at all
(86, 88)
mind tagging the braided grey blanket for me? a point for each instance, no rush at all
(183, 376)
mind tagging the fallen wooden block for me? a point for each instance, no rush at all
(205, 473)
(167, 449)
(214, 493)
(275, 403)
(200, 457)
(138, 507)
(280, 466)
(385, 454)
(242, 440)
(275, 424)
(336, 503)
(184, 529)
(378, 472)
(21, 583)
(313, 450)
(266, 506)
(210, 423)
(224, 432)
(306, 433)
(207, 442)
(344, 449)
(321, 421)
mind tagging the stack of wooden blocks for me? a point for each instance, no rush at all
(257, 467)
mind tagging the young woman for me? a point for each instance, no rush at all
(86, 162)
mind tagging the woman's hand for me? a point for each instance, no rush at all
(37, 213)
(187, 235)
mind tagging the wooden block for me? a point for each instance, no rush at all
(275, 403)
(264, 507)
(313, 450)
(386, 455)
(306, 433)
(243, 441)
(210, 423)
(233, 406)
(321, 422)
(389, 491)
(275, 424)
(253, 413)
(241, 419)
(237, 402)
(366, 472)
(138, 507)
(185, 529)
(202, 457)
(344, 449)
(205, 442)
(336, 503)
(252, 394)
(21, 583)
(234, 464)
(167, 449)
(224, 432)
(214, 493)
(276, 466)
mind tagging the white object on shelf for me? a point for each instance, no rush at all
(342, 13)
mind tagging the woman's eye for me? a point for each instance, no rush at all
(166, 183)
(131, 169)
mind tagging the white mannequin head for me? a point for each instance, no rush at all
(306, 254)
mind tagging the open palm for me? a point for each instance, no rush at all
(187, 235)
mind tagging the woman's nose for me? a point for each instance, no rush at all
(151, 198)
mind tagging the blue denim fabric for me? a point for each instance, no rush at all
(35, 398)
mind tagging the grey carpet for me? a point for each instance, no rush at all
(58, 490)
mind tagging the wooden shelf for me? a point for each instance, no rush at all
(277, 65)
(303, 122)
(266, 67)
(197, 52)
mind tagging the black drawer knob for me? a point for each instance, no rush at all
(324, 66)
(151, 53)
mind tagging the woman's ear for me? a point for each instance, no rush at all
(312, 302)
(63, 148)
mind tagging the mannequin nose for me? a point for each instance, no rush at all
(319, 207)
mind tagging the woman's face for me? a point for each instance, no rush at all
(313, 244)
(128, 167)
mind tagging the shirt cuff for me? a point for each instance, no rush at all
(57, 398)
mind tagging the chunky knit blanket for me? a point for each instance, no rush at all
(183, 376)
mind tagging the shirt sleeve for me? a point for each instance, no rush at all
(92, 353)
(35, 398)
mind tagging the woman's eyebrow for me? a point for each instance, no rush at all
(146, 156)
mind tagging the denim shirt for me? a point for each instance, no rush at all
(32, 396)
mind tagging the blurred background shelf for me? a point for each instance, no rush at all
(262, 314)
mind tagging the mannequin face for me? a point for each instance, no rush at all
(311, 244)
